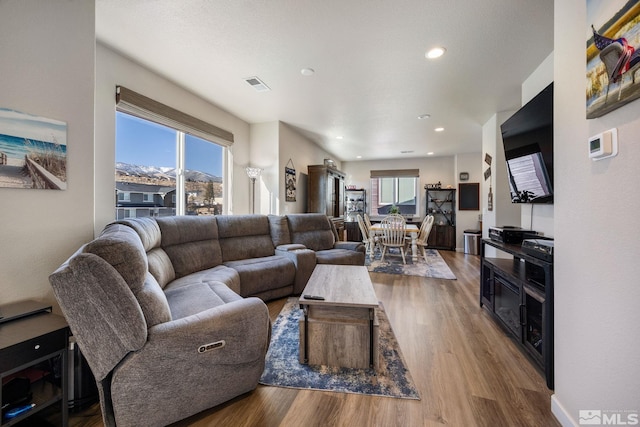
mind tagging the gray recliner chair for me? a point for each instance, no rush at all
(157, 356)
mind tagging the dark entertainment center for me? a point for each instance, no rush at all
(518, 292)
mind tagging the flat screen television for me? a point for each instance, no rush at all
(527, 137)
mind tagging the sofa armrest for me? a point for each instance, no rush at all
(290, 247)
(242, 324)
(352, 246)
(305, 261)
(101, 310)
(174, 368)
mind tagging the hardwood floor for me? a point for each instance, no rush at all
(468, 372)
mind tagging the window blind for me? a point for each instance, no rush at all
(128, 101)
(393, 173)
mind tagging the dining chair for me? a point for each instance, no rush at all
(393, 232)
(423, 235)
(367, 222)
(368, 239)
(372, 234)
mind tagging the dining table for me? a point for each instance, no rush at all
(410, 229)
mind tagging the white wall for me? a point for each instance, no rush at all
(302, 153)
(597, 319)
(504, 212)
(113, 69)
(47, 69)
(264, 155)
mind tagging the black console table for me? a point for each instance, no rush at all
(518, 292)
(30, 337)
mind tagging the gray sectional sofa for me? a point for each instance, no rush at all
(169, 312)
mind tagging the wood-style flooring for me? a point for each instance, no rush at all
(468, 372)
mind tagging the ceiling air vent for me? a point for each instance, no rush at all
(257, 84)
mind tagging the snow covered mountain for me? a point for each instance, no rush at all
(163, 173)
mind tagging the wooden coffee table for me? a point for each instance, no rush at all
(341, 329)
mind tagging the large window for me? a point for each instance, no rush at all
(397, 188)
(163, 169)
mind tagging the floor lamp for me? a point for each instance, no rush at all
(253, 173)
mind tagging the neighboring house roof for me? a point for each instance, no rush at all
(133, 187)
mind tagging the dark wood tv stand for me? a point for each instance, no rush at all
(518, 292)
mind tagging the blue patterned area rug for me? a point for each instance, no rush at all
(434, 266)
(283, 369)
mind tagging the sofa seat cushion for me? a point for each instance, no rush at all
(340, 256)
(219, 274)
(260, 274)
(197, 297)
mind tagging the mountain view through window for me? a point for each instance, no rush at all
(149, 161)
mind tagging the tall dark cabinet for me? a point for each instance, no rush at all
(441, 203)
(325, 193)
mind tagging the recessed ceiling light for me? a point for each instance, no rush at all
(436, 52)
(430, 153)
(439, 129)
(424, 116)
(358, 157)
(307, 71)
(339, 137)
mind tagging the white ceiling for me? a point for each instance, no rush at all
(371, 79)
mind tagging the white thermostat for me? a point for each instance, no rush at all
(604, 145)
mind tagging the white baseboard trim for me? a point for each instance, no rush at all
(561, 413)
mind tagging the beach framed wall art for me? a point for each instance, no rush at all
(33, 151)
(613, 55)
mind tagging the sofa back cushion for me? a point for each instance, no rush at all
(190, 242)
(153, 302)
(244, 237)
(312, 230)
(279, 230)
(160, 265)
(121, 247)
(147, 229)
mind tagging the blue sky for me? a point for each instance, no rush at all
(144, 143)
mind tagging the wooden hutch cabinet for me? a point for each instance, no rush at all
(325, 193)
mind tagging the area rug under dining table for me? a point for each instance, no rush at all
(434, 266)
(283, 369)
